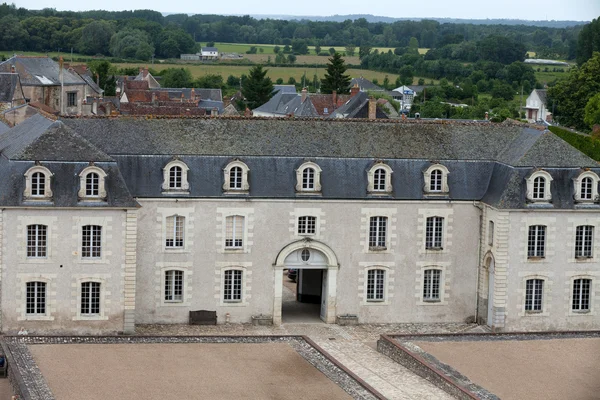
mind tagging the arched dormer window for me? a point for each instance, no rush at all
(236, 177)
(308, 178)
(91, 184)
(586, 187)
(436, 180)
(538, 187)
(175, 178)
(380, 179)
(37, 184)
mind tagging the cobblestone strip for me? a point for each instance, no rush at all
(25, 377)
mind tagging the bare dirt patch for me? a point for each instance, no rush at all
(526, 369)
(181, 371)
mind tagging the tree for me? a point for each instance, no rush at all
(335, 79)
(291, 58)
(12, 34)
(317, 49)
(258, 88)
(233, 81)
(364, 51)
(131, 43)
(569, 97)
(589, 41)
(331, 51)
(95, 37)
(279, 81)
(407, 73)
(299, 46)
(176, 78)
(386, 82)
(106, 76)
(210, 81)
(413, 43)
(501, 49)
(276, 49)
(350, 50)
(592, 111)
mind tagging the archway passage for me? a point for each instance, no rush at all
(312, 298)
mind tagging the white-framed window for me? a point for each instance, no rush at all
(534, 292)
(586, 187)
(232, 285)
(91, 183)
(91, 241)
(174, 286)
(235, 178)
(581, 300)
(37, 241)
(37, 184)
(376, 285)
(90, 298)
(307, 225)
(434, 231)
(539, 187)
(35, 302)
(378, 233)
(536, 241)
(584, 241)
(432, 279)
(380, 179)
(175, 232)
(491, 233)
(175, 177)
(234, 232)
(436, 180)
(308, 178)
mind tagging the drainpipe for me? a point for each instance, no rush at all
(479, 250)
(62, 86)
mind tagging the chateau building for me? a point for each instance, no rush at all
(109, 222)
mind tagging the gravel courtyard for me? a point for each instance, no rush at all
(181, 371)
(548, 369)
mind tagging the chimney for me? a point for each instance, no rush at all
(372, 108)
(145, 72)
(303, 94)
(61, 64)
(193, 95)
(487, 116)
(12, 69)
(214, 112)
(354, 91)
(182, 97)
(154, 98)
(248, 112)
(98, 79)
(141, 70)
(334, 98)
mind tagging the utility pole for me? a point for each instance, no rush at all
(71, 56)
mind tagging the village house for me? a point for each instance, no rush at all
(535, 107)
(110, 222)
(11, 92)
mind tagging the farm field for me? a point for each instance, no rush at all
(268, 48)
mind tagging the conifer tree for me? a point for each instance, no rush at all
(258, 88)
(334, 77)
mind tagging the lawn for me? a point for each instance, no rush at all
(546, 77)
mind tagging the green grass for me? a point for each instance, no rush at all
(66, 56)
(586, 144)
(268, 48)
(550, 76)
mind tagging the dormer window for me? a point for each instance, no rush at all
(37, 184)
(175, 178)
(380, 179)
(436, 180)
(538, 187)
(91, 184)
(236, 178)
(586, 187)
(308, 178)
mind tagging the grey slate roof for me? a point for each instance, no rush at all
(282, 103)
(284, 88)
(365, 84)
(8, 86)
(90, 81)
(209, 105)
(357, 107)
(542, 94)
(40, 71)
(205, 94)
(209, 49)
(3, 128)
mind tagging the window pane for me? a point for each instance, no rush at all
(92, 181)
(581, 294)
(536, 242)
(307, 225)
(175, 177)
(232, 286)
(175, 231)
(435, 181)
(174, 285)
(431, 285)
(235, 178)
(377, 232)
(533, 294)
(36, 298)
(36, 240)
(539, 187)
(584, 238)
(433, 232)
(90, 298)
(91, 241)
(234, 231)
(308, 179)
(379, 179)
(586, 188)
(38, 184)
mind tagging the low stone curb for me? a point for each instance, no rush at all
(29, 384)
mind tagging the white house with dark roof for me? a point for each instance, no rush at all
(106, 223)
(535, 107)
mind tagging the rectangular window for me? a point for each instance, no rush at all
(234, 232)
(92, 184)
(377, 233)
(433, 233)
(91, 241)
(584, 238)
(71, 99)
(175, 227)
(232, 286)
(307, 225)
(581, 295)
(431, 285)
(36, 298)
(36, 241)
(174, 286)
(376, 285)
(90, 298)
(491, 233)
(379, 180)
(536, 243)
(534, 289)
(235, 178)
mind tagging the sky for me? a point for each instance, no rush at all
(578, 10)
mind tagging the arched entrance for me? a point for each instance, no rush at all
(490, 273)
(314, 260)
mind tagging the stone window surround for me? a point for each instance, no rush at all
(104, 296)
(246, 283)
(299, 177)
(387, 283)
(21, 296)
(388, 179)
(106, 223)
(226, 178)
(51, 236)
(547, 186)
(427, 180)
(577, 187)
(161, 269)
(101, 184)
(390, 234)
(594, 284)
(188, 238)
(573, 223)
(445, 282)
(307, 212)
(448, 224)
(47, 184)
(185, 186)
(550, 245)
(222, 214)
(546, 293)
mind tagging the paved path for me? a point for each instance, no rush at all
(353, 346)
